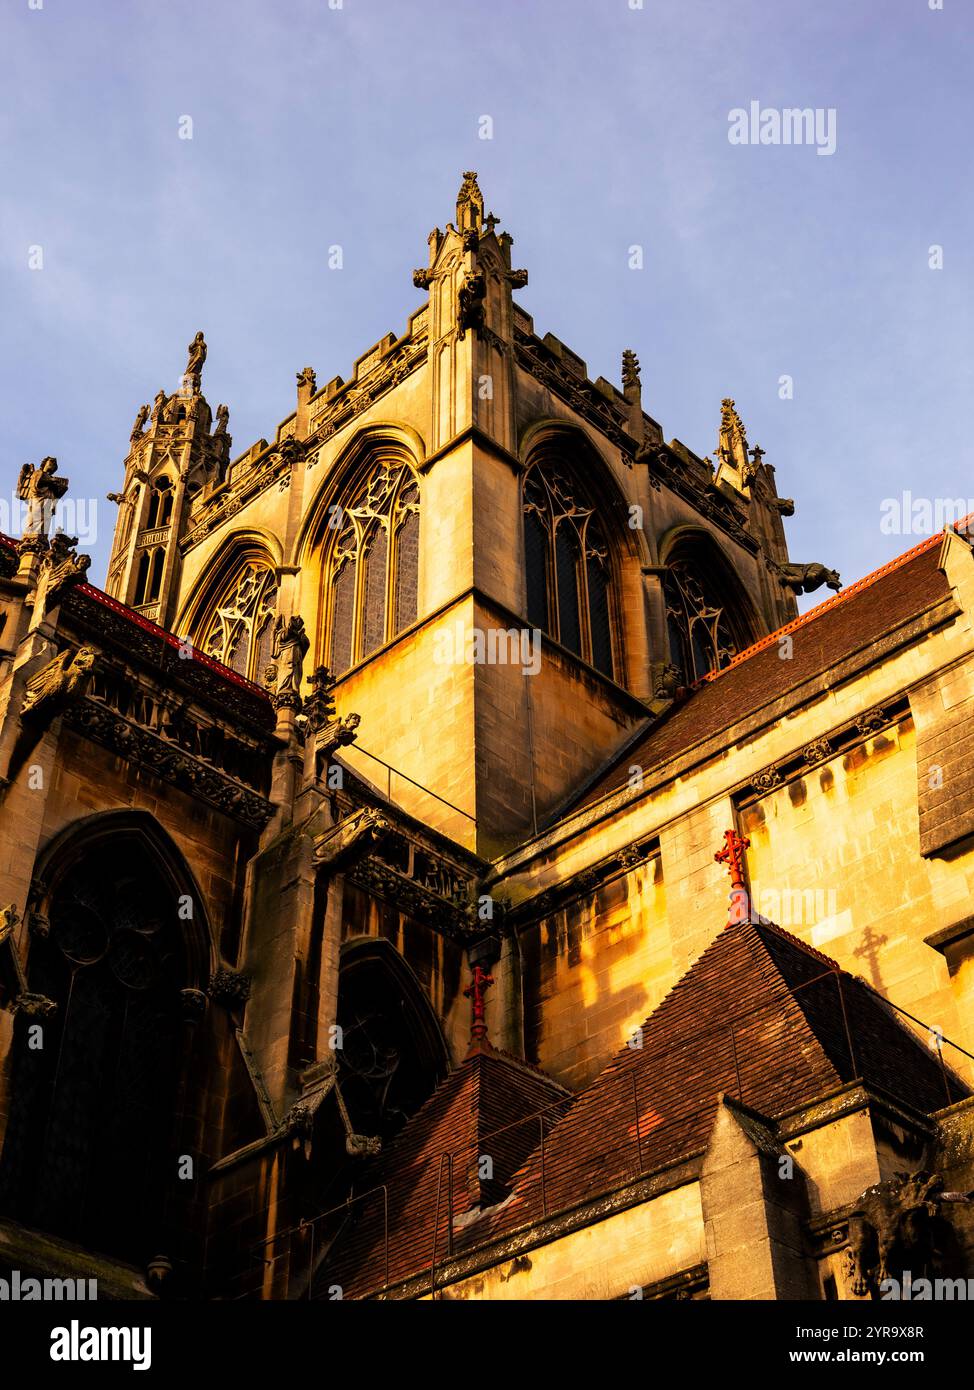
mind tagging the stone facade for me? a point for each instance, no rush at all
(459, 671)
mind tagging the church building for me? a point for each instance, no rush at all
(441, 862)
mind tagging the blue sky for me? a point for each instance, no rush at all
(314, 126)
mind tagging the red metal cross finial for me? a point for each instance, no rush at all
(733, 856)
(476, 990)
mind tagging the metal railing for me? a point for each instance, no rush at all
(395, 772)
(543, 1195)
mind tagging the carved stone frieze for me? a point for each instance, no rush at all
(767, 779)
(231, 988)
(581, 394)
(167, 760)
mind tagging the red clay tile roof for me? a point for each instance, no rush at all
(479, 1110)
(758, 1016)
(166, 638)
(861, 614)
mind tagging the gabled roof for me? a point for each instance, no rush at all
(759, 1016)
(487, 1107)
(861, 615)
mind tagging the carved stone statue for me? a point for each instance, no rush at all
(61, 569)
(898, 1226)
(222, 419)
(289, 647)
(140, 420)
(805, 579)
(39, 488)
(470, 302)
(668, 682)
(159, 406)
(197, 356)
(59, 681)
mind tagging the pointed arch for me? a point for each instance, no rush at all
(709, 615)
(230, 614)
(364, 542)
(119, 947)
(393, 1051)
(573, 546)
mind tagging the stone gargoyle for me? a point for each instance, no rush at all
(805, 579)
(899, 1226)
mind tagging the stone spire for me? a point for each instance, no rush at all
(173, 459)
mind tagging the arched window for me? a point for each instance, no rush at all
(148, 575)
(567, 568)
(142, 577)
(373, 569)
(89, 1147)
(239, 629)
(160, 503)
(706, 627)
(392, 1053)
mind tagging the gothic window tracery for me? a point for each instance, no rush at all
(239, 630)
(392, 1052)
(160, 503)
(88, 1140)
(704, 631)
(373, 573)
(568, 568)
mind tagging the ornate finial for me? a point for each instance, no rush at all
(193, 374)
(732, 441)
(630, 368)
(470, 204)
(319, 706)
(480, 983)
(307, 379)
(733, 856)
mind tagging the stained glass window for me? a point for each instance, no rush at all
(238, 631)
(568, 577)
(703, 634)
(374, 565)
(88, 1142)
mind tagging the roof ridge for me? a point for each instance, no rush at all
(830, 604)
(511, 1058)
(768, 925)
